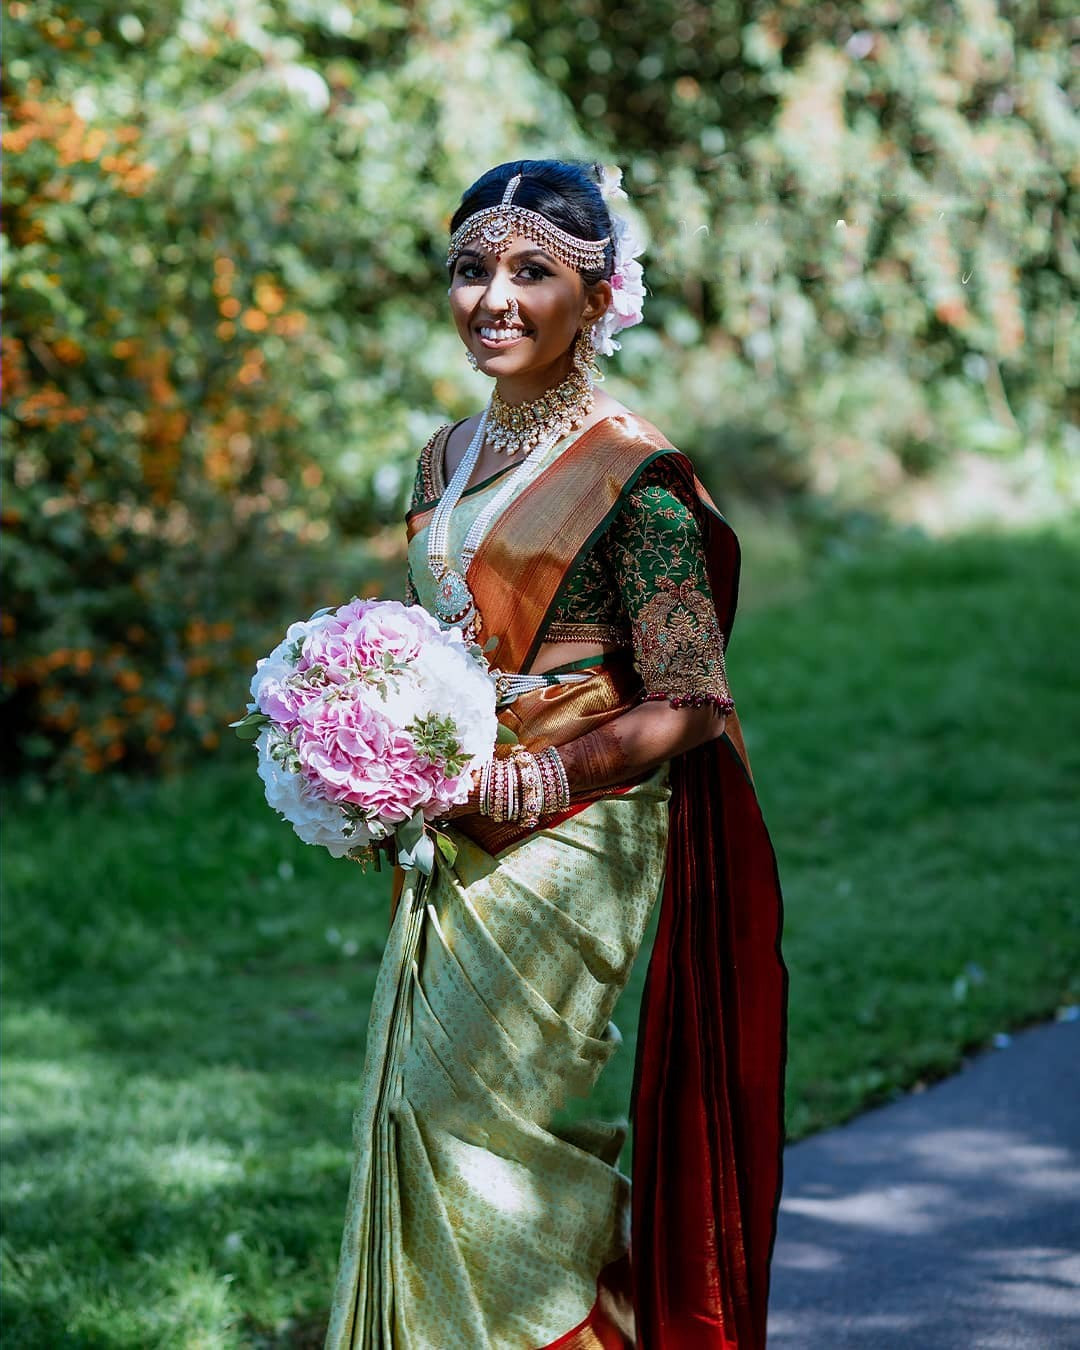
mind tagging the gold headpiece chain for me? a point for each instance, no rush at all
(495, 226)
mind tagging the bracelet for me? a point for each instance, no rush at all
(564, 782)
(556, 783)
(493, 789)
(499, 791)
(550, 781)
(523, 786)
(504, 797)
(532, 787)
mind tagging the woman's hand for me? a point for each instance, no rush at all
(636, 742)
(630, 745)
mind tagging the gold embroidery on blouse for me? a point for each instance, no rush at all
(587, 632)
(430, 472)
(680, 646)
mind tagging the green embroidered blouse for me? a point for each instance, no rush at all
(642, 585)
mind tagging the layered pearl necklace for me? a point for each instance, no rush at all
(566, 407)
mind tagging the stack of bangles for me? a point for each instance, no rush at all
(524, 786)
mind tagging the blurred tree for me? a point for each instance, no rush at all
(226, 336)
(224, 340)
(861, 220)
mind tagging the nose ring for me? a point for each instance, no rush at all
(512, 310)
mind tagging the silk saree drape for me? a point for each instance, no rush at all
(477, 1217)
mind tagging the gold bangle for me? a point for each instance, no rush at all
(513, 793)
(551, 762)
(564, 782)
(551, 782)
(532, 786)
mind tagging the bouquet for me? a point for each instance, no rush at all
(369, 720)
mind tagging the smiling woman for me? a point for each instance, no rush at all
(519, 314)
(575, 544)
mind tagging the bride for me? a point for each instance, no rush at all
(575, 543)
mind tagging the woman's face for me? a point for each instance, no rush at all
(552, 300)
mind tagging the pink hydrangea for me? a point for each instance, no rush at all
(282, 700)
(362, 635)
(342, 691)
(353, 753)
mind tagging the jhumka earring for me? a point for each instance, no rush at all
(472, 360)
(585, 356)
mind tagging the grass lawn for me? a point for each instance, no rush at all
(187, 985)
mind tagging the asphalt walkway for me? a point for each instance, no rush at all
(948, 1220)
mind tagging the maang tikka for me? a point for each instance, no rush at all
(497, 225)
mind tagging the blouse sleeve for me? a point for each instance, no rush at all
(411, 597)
(422, 491)
(656, 553)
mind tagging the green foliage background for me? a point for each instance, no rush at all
(226, 339)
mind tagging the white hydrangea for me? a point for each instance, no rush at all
(314, 819)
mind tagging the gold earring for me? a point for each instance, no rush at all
(585, 355)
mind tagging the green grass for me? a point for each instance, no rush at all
(187, 985)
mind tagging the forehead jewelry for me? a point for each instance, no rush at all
(495, 226)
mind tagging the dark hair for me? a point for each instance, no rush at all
(566, 192)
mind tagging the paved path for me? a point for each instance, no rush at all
(949, 1220)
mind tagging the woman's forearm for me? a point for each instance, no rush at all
(629, 746)
(637, 742)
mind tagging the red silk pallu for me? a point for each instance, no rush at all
(707, 1102)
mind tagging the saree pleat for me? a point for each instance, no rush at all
(480, 1215)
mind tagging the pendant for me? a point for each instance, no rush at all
(454, 602)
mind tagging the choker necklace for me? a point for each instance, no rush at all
(523, 426)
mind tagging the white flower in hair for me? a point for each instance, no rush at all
(627, 285)
(611, 188)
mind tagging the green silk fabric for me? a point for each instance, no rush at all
(479, 1214)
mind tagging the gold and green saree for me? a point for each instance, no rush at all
(478, 1215)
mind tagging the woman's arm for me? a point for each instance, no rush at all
(656, 557)
(629, 746)
(637, 742)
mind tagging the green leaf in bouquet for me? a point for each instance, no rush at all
(437, 738)
(249, 727)
(490, 645)
(421, 856)
(505, 736)
(414, 845)
(446, 846)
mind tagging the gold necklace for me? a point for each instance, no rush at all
(523, 426)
